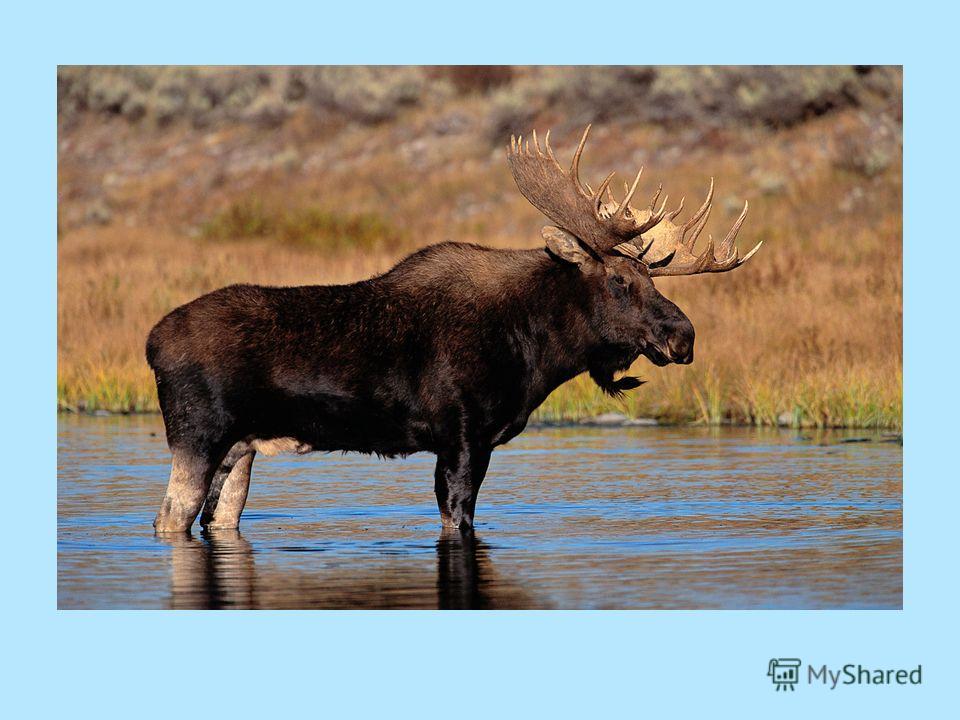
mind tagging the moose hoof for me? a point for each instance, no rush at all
(172, 518)
(168, 526)
(463, 523)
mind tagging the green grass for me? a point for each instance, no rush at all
(106, 391)
(702, 397)
(699, 398)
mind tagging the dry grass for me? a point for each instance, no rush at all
(808, 333)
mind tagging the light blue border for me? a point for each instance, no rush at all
(531, 664)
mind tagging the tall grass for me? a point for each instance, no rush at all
(807, 334)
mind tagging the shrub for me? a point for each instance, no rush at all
(862, 152)
(306, 226)
(467, 79)
(368, 94)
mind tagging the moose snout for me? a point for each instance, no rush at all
(680, 343)
(681, 352)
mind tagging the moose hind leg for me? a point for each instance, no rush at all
(190, 475)
(228, 490)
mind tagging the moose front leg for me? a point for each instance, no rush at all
(457, 482)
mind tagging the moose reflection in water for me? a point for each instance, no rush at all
(218, 571)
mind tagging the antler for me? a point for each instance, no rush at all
(616, 225)
(668, 251)
(567, 202)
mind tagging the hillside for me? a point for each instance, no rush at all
(175, 181)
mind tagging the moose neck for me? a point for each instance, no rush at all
(559, 327)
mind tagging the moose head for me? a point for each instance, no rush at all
(619, 249)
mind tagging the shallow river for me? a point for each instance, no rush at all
(640, 517)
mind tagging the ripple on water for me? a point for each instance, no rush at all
(639, 517)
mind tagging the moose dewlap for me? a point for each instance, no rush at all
(449, 352)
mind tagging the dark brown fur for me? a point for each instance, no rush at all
(449, 352)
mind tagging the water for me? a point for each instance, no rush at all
(567, 518)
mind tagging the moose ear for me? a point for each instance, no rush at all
(564, 245)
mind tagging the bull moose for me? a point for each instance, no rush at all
(448, 352)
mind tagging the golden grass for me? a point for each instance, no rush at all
(808, 333)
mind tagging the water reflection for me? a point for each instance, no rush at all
(213, 573)
(459, 560)
(466, 579)
(217, 571)
(569, 518)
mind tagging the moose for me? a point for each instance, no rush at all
(449, 352)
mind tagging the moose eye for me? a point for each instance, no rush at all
(618, 285)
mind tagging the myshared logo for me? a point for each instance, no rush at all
(859, 675)
(786, 673)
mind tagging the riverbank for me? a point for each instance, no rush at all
(565, 409)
